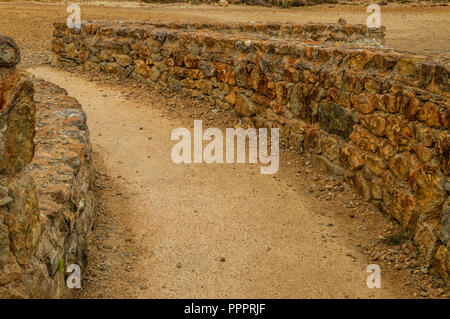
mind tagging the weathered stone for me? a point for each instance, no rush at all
(362, 186)
(111, 67)
(428, 189)
(351, 84)
(297, 126)
(123, 60)
(429, 113)
(22, 218)
(406, 67)
(404, 208)
(366, 141)
(57, 45)
(4, 244)
(442, 262)
(388, 182)
(351, 158)
(282, 93)
(244, 106)
(376, 124)
(407, 104)
(9, 52)
(106, 55)
(400, 132)
(442, 149)
(359, 59)
(296, 140)
(6, 293)
(70, 51)
(5, 201)
(365, 103)
(424, 154)
(16, 140)
(82, 56)
(335, 119)
(377, 189)
(231, 98)
(191, 61)
(330, 147)
(312, 140)
(376, 164)
(445, 222)
(400, 165)
(225, 73)
(9, 272)
(207, 68)
(323, 164)
(447, 186)
(154, 74)
(160, 36)
(425, 237)
(424, 134)
(142, 68)
(195, 74)
(259, 81)
(372, 84)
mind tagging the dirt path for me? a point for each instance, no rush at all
(204, 231)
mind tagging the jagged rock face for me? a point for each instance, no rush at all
(46, 200)
(379, 117)
(22, 217)
(17, 121)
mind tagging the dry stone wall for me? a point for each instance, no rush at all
(46, 200)
(378, 117)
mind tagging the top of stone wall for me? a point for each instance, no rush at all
(321, 32)
(9, 52)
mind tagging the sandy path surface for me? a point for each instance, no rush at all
(207, 231)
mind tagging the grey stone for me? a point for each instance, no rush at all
(160, 36)
(9, 52)
(207, 68)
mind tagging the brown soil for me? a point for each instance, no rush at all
(223, 230)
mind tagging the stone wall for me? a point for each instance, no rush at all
(46, 201)
(377, 117)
